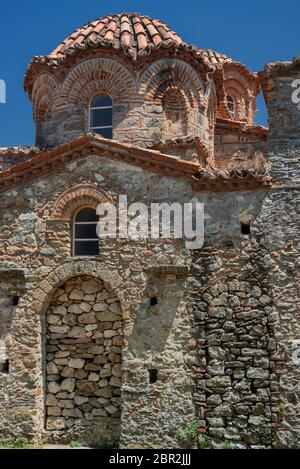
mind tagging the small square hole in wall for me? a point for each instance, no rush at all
(153, 376)
(4, 367)
(15, 300)
(153, 301)
(245, 228)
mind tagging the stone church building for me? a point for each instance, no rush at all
(138, 341)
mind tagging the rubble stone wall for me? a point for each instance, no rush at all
(171, 339)
(233, 319)
(83, 345)
(280, 213)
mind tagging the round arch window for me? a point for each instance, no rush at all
(85, 239)
(100, 115)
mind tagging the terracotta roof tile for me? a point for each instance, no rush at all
(215, 58)
(221, 61)
(133, 34)
(137, 33)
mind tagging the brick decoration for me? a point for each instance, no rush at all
(82, 195)
(243, 93)
(164, 73)
(136, 60)
(44, 96)
(93, 76)
(244, 88)
(164, 78)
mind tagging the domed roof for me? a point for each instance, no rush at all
(135, 34)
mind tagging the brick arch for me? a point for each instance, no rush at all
(167, 72)
(44, 96)
(97, 75)
(77, 196)
(236, 87)
(241, 81)
(243, 90)
(239, 96)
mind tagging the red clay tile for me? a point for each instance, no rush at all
(135, 32)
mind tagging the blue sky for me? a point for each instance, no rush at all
(253, 32)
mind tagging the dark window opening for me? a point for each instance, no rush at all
(85, 238)
(245, 228)
(101, 109)
(153, 301)
(4, 367)
(252, 387)
(15, 300)
(153, 376)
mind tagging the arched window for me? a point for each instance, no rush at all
(85, 239)
(101, 116)
(231, 106)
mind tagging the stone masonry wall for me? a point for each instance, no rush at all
(280, 213)
(84, 339)
(232, 153)
(43, 249)
(232, 310)
(164, 337)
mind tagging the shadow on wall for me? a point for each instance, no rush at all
(157, 319)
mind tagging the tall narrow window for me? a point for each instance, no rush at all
(85, 239)
(231, 106)
(101, 116)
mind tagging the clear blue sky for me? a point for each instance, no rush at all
(254, 33)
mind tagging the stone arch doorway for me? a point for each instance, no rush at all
(83, 341)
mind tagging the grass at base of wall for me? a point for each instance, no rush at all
(188, 437)
(22, 443)
(17, 443)
(206, 442)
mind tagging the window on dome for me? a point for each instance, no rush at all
(231, 106)
(85, 239)
(100, 120)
